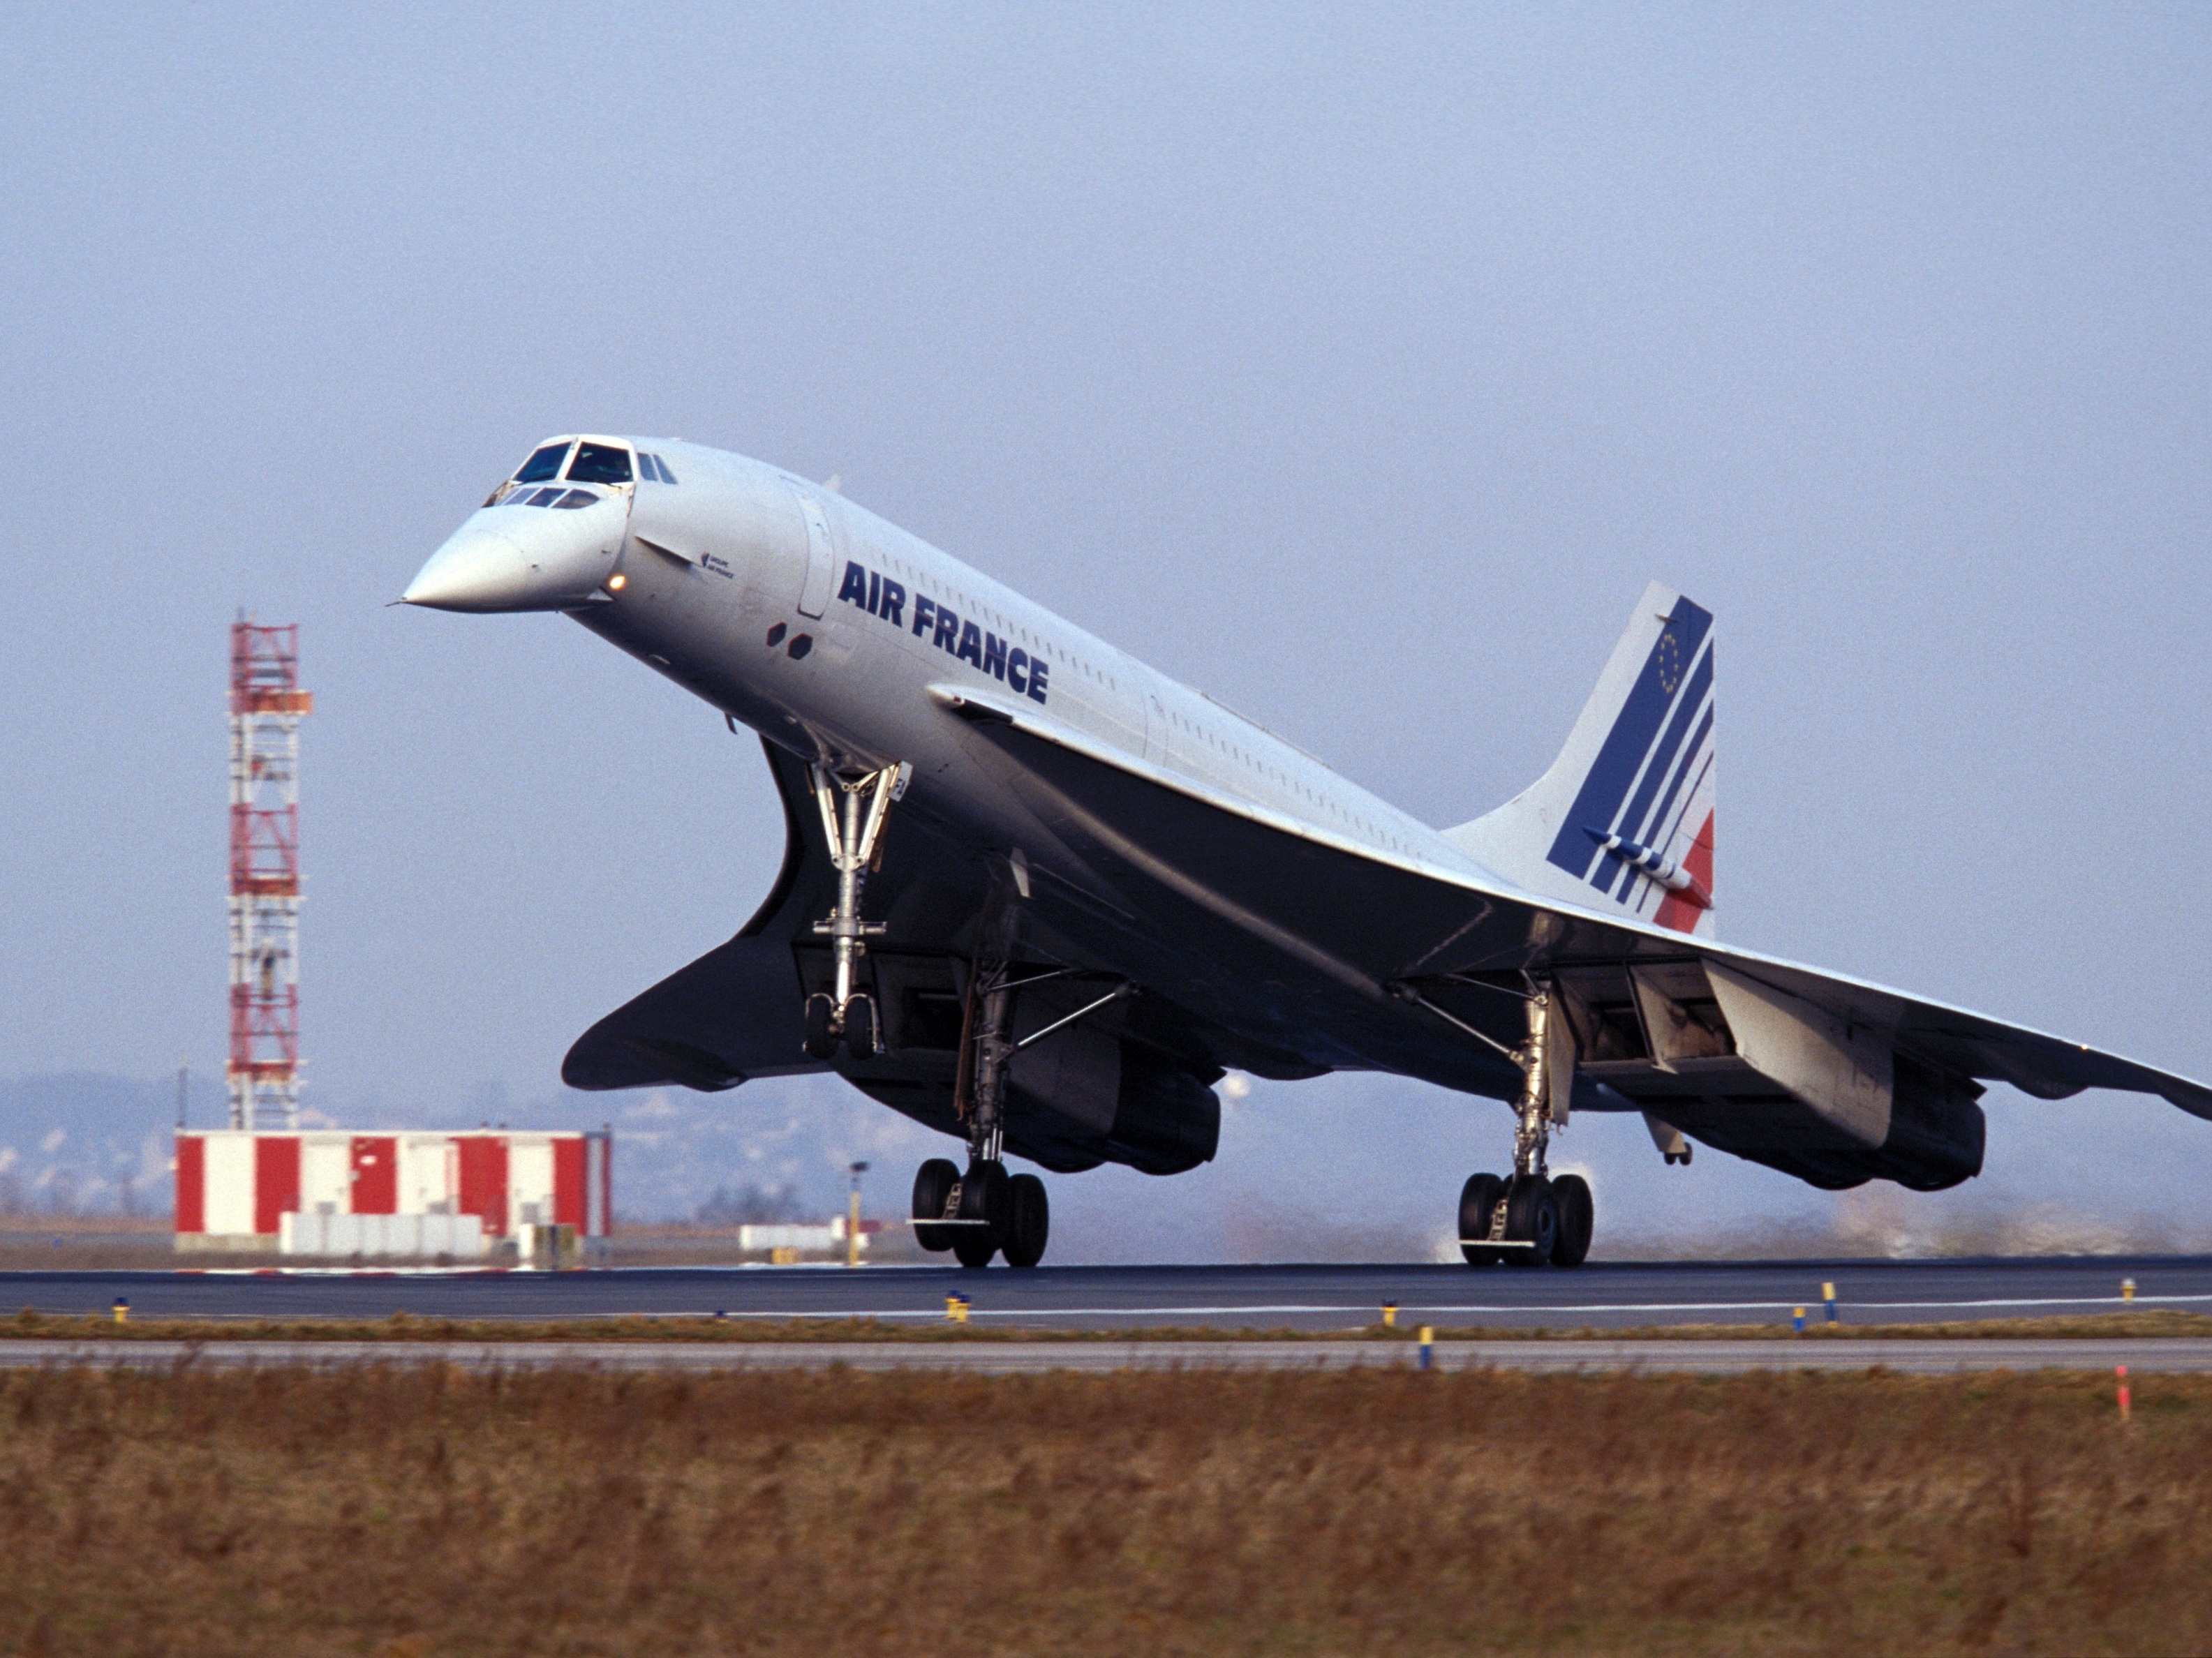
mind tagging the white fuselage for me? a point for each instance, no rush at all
(871, 629)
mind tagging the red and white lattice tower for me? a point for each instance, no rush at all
(266, 704)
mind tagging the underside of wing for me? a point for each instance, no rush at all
(1351, 958)
(737, 1012)
(1130, 1086)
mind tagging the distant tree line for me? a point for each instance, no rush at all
(749, 1206)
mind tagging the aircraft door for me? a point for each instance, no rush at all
(821, 558)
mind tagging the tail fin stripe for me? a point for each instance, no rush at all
(1626, 808)
(1672, 753)
(1644, 825)
(1620, 758)
(1689, 797)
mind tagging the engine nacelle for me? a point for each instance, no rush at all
(1168, 1121)
(1936, 1130)
(1082, 1097)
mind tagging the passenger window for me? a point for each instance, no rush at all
(545, 464)
(599, 463)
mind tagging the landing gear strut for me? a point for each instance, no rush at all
(1529, 1219)
(853, 808)
(986, 1211)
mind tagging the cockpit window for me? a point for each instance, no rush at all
(545, 464)
(598, 463)
(576, 498)
(543, 498)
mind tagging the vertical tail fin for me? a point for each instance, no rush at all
(1625, 813)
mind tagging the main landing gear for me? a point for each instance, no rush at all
(1529, 1219)
(985, 1210)
(853, 812)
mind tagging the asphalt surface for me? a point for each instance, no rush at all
(1722, 1357)
(1608, 1295)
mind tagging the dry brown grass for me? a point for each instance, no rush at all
(427, 1511)
(646, 1327)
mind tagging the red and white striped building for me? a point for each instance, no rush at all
(234, 1186)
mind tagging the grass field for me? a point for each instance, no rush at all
(400, 1326)
(404, 1511)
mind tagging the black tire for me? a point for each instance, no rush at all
(932, 1184)
(1476, 1199)
(1029, 1221)
(1577, 1220)
(983, 1197)
(861, 1026)
(1531, 1217)
(821, 1040)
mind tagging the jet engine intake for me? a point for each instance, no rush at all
(1082, 1097)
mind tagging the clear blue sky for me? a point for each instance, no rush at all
(1357, 365)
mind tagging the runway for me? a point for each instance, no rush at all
(2190, 1356)
(1312, 1298)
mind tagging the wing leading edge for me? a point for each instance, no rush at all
(1398, 961)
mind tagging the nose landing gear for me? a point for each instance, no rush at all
(1529, 1219)
(853, 813)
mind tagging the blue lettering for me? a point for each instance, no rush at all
(971, 644)
(855, 590)
(948, 628)
(994, 656)
(894, 602)
(875, 592)
(1039, 673)
(924, 609)
(1018, 666)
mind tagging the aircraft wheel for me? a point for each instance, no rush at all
(1476, 1200)
(932, 1184)
(983, 1197)
(1532, 1216)
(821, 1026)
(1577, 1220)
(860, 1032)
(1029, 1221)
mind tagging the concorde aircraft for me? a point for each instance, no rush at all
(1041, 897)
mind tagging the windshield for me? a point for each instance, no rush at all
(598, 463)
(552, 495)
(545, 464)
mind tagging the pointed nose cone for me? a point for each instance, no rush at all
(478, 570)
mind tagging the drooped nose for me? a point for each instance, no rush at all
(477, 569)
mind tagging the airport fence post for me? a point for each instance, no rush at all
(1797, 1320)
(1828, 1299)
(1428, 1346)
(2124, 1400)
